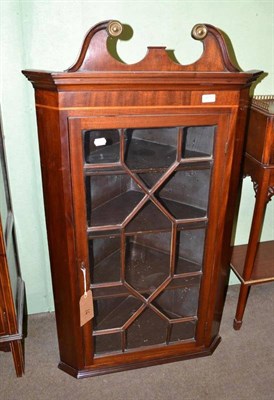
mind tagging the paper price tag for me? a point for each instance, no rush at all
(209, 98)
(86, 308)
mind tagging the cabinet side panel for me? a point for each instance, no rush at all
(54, 154)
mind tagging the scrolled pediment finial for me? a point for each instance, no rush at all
(114, 28)
(199, 31)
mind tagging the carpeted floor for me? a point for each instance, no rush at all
(242, 367)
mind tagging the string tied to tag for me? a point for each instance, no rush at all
(83, 269)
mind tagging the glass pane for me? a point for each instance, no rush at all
(107, 343)
(183, 331)
(104, 259)
(143, 261)
(189, 250)
(198, 141)
(185, 193)
(147, 261)
(113, 312)
(180, 298)
(102, 146)
(150, 148)
(147, 330)
(110, 198)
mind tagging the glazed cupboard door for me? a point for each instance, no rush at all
(147, 195)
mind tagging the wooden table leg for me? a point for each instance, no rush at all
(254, 237)
(242, 300)
(18, 357)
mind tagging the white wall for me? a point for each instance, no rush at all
(48, 35)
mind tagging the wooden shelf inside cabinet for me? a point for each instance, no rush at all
(150, 217)
(254, 263)
(136, 259)
(140, 168)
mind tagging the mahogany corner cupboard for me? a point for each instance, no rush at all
(140, 167)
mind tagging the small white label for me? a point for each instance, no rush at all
(208, 98)
(100, 141)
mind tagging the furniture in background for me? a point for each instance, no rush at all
(12, 293)
(140, 167)
(254, 263)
